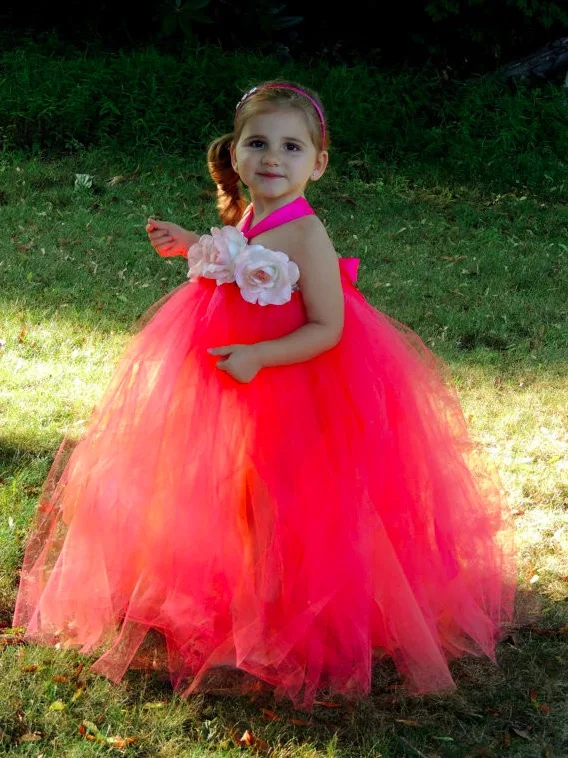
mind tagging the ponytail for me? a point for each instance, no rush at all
(231, 202)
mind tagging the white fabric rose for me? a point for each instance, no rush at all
(265, 276)
(196, 257)
(213, 257)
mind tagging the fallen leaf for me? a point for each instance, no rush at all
(57, 705)
(29, 669)
(299, 722)
(271, 715)
(507, 739)
(115, 180)
(544, 708)
(153, 706)
(533, 696)
(30, 737)
(120, 742)
(249, 740)
(521, 733)
(22, 334)
(77, 694)
(327, 704)
(83, 181)
(62, 679)
(407, 722)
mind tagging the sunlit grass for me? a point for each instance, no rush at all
(481, 278)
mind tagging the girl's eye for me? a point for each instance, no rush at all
(258, 143)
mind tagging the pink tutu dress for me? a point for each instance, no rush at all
(287, 529)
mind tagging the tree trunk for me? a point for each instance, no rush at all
(544, 65)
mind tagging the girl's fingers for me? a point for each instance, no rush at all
(154, 225)
(160, 239)
(157, 233)
(223, 350)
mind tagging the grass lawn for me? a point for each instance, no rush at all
(482, 277)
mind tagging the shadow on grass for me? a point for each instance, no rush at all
(516, 701)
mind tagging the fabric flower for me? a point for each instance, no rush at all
(213, 257)
(265, 276)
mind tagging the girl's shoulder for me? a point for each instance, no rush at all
(298, 239)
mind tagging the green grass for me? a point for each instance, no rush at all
(480, 276)
(54, 98)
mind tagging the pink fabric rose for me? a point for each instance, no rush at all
(265, 276)
(213, 257)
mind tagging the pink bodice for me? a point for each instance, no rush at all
(298, 208)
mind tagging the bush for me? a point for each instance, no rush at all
(147, 100)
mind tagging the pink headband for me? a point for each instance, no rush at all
(293, 89)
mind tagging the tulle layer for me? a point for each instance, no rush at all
(287, 528)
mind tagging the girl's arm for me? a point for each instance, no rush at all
(323, 299)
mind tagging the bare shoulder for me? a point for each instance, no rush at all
(304, 239)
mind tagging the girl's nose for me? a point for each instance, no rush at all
(270, 158)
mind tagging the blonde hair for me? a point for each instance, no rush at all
(231, 201)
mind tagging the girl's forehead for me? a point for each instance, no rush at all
(278, 121)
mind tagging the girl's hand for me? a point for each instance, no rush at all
(242, 361)
(169, 239)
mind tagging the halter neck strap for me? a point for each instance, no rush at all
(290, 212)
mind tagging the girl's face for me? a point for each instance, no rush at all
(275, 156)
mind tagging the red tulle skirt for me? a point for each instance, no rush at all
(287, 529)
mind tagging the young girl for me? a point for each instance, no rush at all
(278, 483)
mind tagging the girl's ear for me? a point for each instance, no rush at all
(233, 157)
(320, 166)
